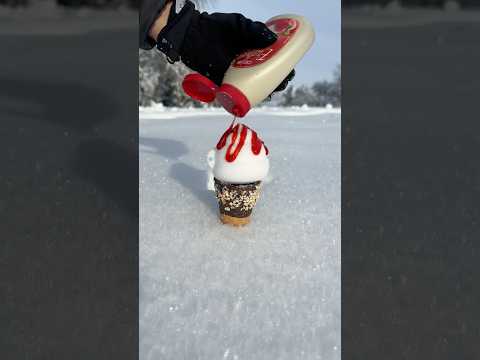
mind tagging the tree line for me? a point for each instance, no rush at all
(321, 93)
(160, 82)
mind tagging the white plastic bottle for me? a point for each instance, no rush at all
(254, 75)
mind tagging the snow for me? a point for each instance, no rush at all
(270, 290)
(158, 111)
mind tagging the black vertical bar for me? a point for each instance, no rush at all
(69, 185)
(410, 226)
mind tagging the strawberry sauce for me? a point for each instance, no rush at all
(232, 154)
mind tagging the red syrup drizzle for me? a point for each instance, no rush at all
(256, 142)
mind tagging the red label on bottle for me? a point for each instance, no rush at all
(285, 28)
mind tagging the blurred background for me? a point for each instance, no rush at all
(98, 4)
(415, 3)
(69, 179)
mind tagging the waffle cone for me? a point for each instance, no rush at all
(236, 201)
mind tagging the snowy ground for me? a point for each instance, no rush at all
(267, 291)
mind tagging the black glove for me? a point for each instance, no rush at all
(208, 43)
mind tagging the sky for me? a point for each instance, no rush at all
(325, 15)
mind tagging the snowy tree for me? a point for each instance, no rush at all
(329, 92)
(288, 96)
(321, 93)
(161, 82)
(305, 96)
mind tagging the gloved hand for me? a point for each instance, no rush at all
(208, 43)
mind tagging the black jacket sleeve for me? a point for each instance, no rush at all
(149, 10)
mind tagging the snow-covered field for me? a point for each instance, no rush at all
(270, 290)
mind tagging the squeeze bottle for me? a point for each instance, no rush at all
(254, 74)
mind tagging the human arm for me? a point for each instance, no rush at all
(160, 21)
(206, 43)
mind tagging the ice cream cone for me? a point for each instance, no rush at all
(237, 166)
(236, 201)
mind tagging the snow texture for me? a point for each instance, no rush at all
(270, 290)
(158, 111)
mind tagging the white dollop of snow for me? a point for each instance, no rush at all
(247, 167)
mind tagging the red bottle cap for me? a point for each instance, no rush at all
(233, 100)
(199, 87)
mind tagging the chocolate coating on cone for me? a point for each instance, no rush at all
(236, 200)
